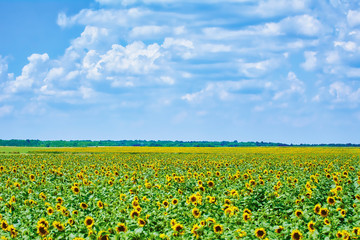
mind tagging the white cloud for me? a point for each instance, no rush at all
(228, 90)
(257, 69)
(54, 73)
(347, 46)
(32, 73)
(147, 31)
(179, 46)
(133, 59)
(102, 17)
(294, 86)
(310, 61)
(91, 38)
(270, 8)
(303, 24)
(168, 80)
(353, 18)
(344, 93)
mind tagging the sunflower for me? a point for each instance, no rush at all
(43, 222)
(58, 226)
(248, 211)
(296, 235)
(32, 177)
(178, 228)
(210, 184)
(311, 226)
(121, 227)
(89, 221)
(193, 198)
(166, 203)
(75, 189)
(42, 231)
(246, 217)
(260, 233)
(4, 225)
(141, 222)
(50, 210)
(42, 196)
(194, 230)
(356, 231)
(59, 200)
(324, 212)
(298, 213)
(210, 221)
(195, 212)
(134, 214)
(70, 221)
(357, 196)
(331, 200)
(219, 229)
(343, 212)
(339, 234)
(135, 202)
(326, 221)
(103, 236)
(173, 222)
(100, 204)
(175, 201)
(83, 205)
(317, 208)
(13, 231)
(75, 212)
(279, 229)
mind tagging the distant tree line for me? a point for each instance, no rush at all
(152, 143)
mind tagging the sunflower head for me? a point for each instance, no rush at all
(260, 233)
(89, 222)
(121, 227)
(324, 212)
(296, 235)
(311, 226)
(219, 229)
(141, 222)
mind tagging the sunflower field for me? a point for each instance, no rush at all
(181, 193)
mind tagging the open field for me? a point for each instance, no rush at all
(19, 150)
(181, 193)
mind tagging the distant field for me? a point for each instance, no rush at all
(246, 150)
(19, 150)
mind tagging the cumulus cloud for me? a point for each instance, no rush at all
(353, 18)
(310, 61)
(32, 73)
(344, 93)
(294, 86)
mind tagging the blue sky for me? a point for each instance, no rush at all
(266, 70)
